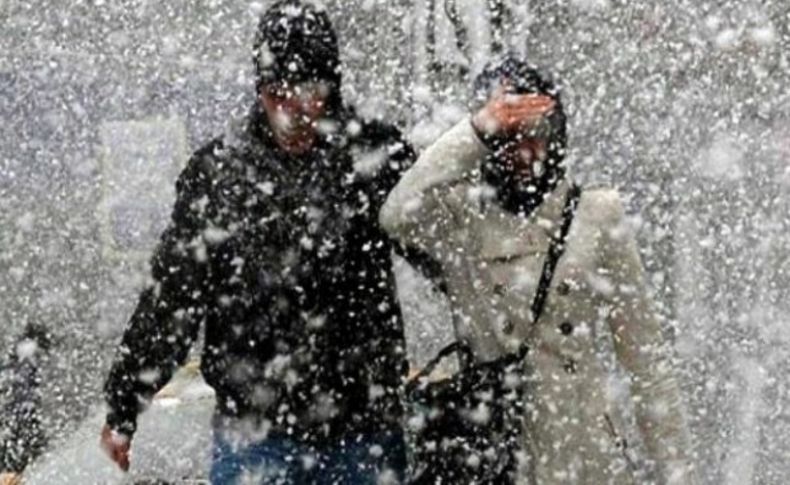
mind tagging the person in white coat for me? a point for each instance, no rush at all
(485, 200)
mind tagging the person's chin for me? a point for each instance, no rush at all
(525, 174)
(299, 149)
(523, 169)
(295, 147)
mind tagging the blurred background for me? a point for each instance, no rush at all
(683, 105)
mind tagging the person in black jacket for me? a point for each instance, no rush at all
(22, 435)
(275, 246)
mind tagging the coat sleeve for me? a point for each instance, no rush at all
(166, 320)
(417, 211)
(643, 352)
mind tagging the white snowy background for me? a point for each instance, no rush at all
(681, 104)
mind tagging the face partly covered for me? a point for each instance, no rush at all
(525, 157)
(293, 111)
(520, 122)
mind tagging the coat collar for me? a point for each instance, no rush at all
(549, 214)
(506, 236)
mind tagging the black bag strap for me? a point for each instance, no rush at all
(556, 250)
(458, 346)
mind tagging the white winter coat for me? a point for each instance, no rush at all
(492, 260)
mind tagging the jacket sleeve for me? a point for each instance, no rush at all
(166, 320)
(418, 211)
(644, 353)
(401, 157)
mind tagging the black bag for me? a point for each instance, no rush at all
(466, 429)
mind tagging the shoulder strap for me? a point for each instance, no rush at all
(556, 249)
(458, 347)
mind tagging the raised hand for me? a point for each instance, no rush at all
(117, 446)
(506, 114)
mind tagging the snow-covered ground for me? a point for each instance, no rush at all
(173, 442)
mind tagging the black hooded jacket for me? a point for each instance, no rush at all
(283, 260)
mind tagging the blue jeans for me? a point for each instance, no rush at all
(278, 459)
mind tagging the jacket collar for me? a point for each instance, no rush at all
(254, 137)
(548, 215)
(506, 236)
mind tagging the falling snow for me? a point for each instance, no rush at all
(682, 105)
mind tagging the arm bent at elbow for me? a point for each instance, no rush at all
(416, 211)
